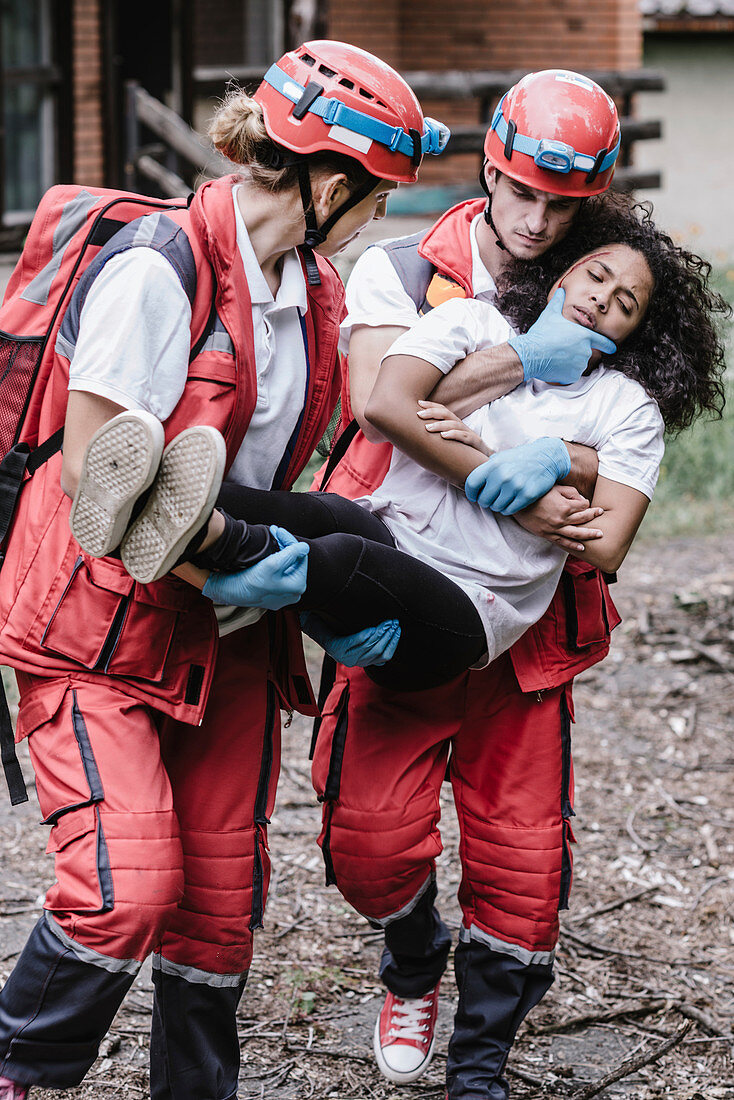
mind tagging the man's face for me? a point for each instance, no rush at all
(528, 222)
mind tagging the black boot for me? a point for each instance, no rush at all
(55, 1009)
(496, 992)
(194, 1050)
(416, 949)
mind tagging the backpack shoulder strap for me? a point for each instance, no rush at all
(414, 271)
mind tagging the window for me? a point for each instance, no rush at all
(29, 81)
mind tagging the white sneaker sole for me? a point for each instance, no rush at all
(394, 1075)
(120, 462)
(179, 504)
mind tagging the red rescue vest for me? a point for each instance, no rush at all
(63, 613)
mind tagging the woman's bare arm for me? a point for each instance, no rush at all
(393, 408)
(367, 345)
(624, 510)
(85, 412)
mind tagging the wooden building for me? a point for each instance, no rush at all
(65, 64)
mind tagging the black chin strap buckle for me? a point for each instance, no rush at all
(510, 139)
(417, 155)
(313, 277)
(594, 172)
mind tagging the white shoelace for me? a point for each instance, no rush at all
(410, 1019)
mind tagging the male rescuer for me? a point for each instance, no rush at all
(380, 756)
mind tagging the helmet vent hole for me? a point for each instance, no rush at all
(347, 83)
(326, 70)
(366, 94)
(308, 60)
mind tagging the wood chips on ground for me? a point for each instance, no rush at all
(647, 948)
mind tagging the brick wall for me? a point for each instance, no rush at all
(88, 93)
(489, 34)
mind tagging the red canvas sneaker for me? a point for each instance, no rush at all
(404, 1036)
(11, 1090)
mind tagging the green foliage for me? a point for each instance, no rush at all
(695, 493)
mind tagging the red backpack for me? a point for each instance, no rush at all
(70, 226)
(68, 230)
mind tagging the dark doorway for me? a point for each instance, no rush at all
(149, 43)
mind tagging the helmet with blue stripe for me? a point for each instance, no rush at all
(557, 131)
(333, 96)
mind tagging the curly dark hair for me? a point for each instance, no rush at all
(677, 352)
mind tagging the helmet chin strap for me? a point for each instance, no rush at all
(316, 234)
(488, 208)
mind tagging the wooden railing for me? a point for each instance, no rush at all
(175, 137)
(176, 142)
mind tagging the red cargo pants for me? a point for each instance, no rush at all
(159, 828)
(380, 760)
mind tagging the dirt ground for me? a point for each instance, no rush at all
(647, 948)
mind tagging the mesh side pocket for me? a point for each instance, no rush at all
(19, 357)
(323, 447)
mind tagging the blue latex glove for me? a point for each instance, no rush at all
(511, 480)
(373, 646)
(272, 583)
(557, 350)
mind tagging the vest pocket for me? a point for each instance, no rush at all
(105, 622)
(147, 631)
(587, 623)
(81, 620)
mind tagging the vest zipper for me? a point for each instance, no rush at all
(261, 819)
(113, 634)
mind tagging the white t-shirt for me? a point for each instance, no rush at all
(135, 338)
(376, 296)
(509, 574)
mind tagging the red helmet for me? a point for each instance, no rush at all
(330, 95)
(556, 131)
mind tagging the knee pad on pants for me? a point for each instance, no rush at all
(227, 876)
(380, 862)
(513, 881)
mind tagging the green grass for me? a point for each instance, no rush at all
(695, 493)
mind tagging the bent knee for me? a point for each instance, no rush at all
(119, 874)
(381, 860)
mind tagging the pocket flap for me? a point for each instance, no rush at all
(109, 574)
(72, 825)
(169, 593)
(39, 705)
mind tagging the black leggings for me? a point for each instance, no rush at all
(356, 579)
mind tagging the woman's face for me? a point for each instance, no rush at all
(608, 291)
(355, 220)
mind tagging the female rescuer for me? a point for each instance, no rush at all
(156, 748)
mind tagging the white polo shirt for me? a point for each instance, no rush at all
(135, 337)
